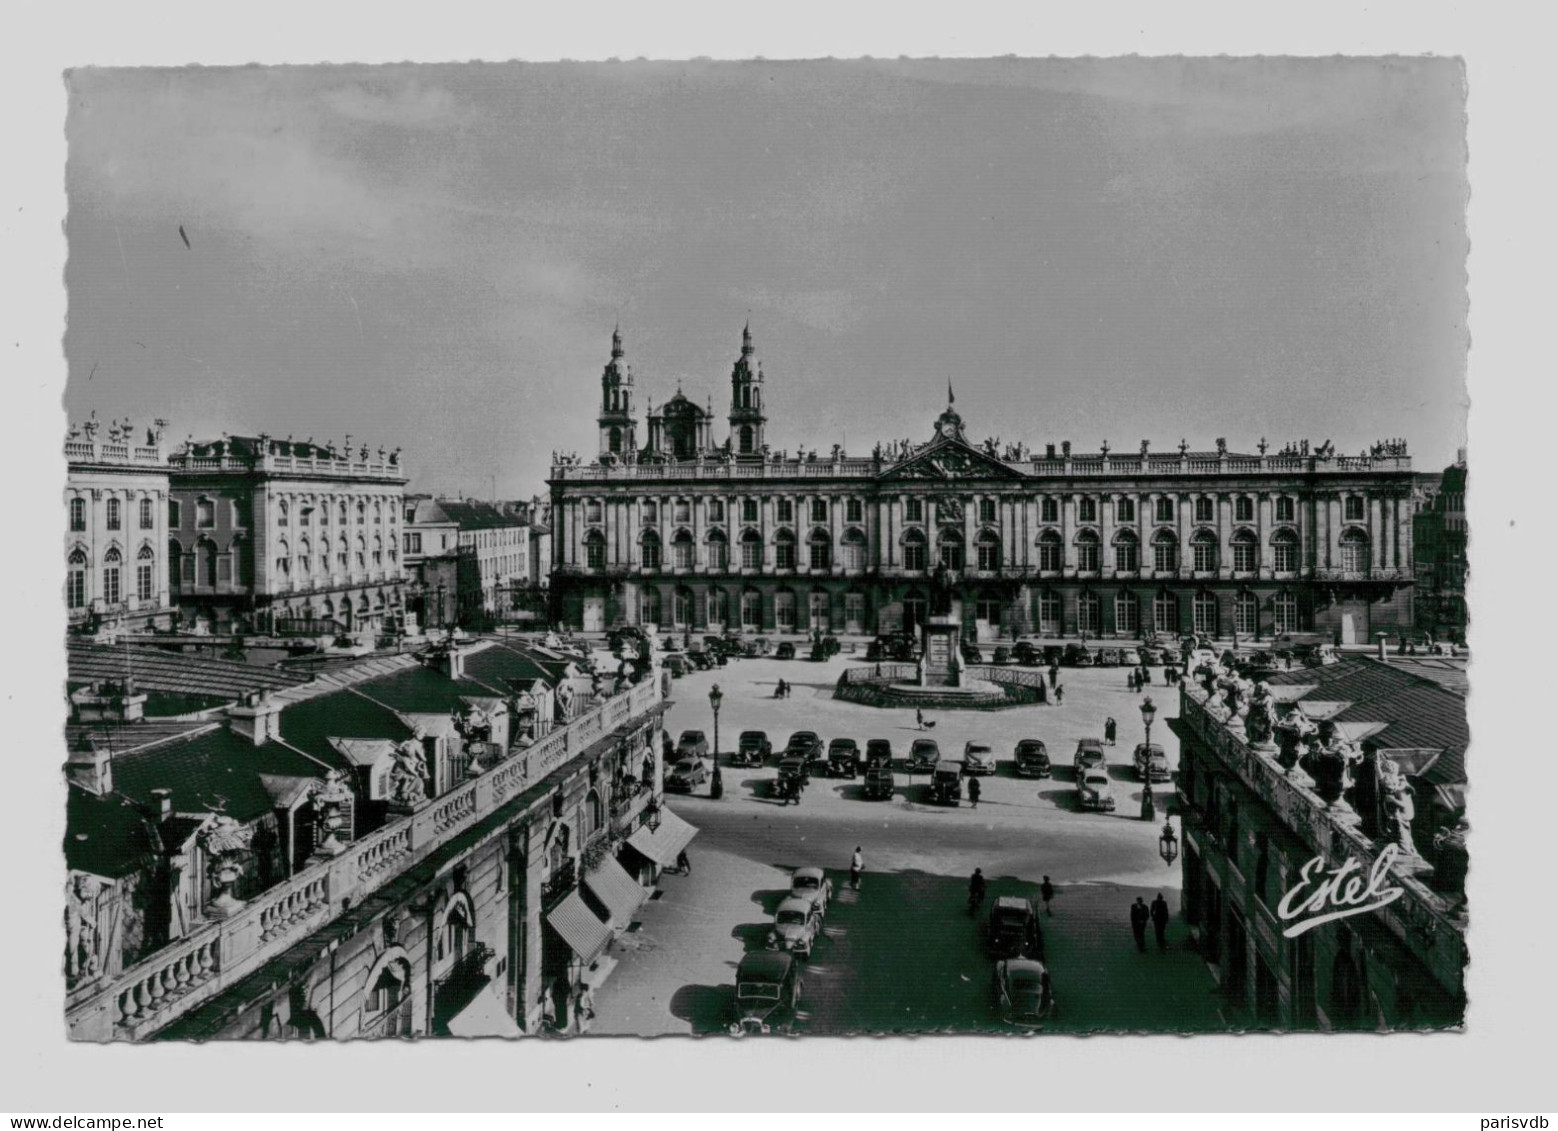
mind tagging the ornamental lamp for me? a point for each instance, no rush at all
(652, 815)
(1149, 711)
(1168, 844)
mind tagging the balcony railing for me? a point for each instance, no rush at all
(216, 954)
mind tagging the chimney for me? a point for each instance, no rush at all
(90, 767)
(164, 798)
(257, 718)
(449, 658)
(1049, 451)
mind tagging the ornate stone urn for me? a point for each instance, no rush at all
(226, 842)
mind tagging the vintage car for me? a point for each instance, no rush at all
(1077, 656)
(1026, 654)
(924, 754)
(946, 783)
(793, 768)
(1151, 655)
(812, 886)
(1109, 658)
(768, 985)
(1014, 928)
(678, 665)
(971, 653)
(804, 744)
(1151, 762)
(1090, 755)
(879, 783)
(756, 646)
(1022, 991)
(692, 744)
(879, 752)
(687, 776)
(1031, 759)
(751, 748)
(785, 651)
(844, 760)
(702, 659)
(1001, 655)
(1054, 655)
(797, 922)
(978, 758)
(1093, 791)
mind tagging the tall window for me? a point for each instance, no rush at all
(362, 513)
(378, 552)
(1049, 613)
(914, 510)
(173, 514)
(305, 562)
(821, 551)
(751, 609)
(1204, 610)
(649, 513)
(751, 552)
(145, 579)
(1353, 508)
(1049, 509)
(682, 511)
(1355, 552)
(989, 550)
(1164, 509)
(1051, 552)
(1125, 510)
(987, 607)
(1165, 552)
(821, 609)
(362, 553)
(1204, 547)
(784, 610)
(854, 511)
(719, 559)
(592, 510)
(1087, 510)
(649, 607)
(784, 510)
(1284, 551)
(650, 550)
(1089, 614)
(76, 580)
(854, 551)
(341, 513)
(748, 510)
(719, 606)
(1127, 614)
(716, 510)
(986, 510)
(1285, 508)
(1244, 509)
(111, 564)
(819, 510)
(1087, 552)
(1205, 509)
(111, 514)
(1246, 551)
(1126, 556)
(681, 553)
(681, 608)
(1285, 612)
(148, 515)
(1165, 613)
(784, 550)
(914, 551)
(206, 517)
(1246, 611)
(949, 549)
(78, 514)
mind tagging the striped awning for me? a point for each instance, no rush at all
(664, 844)
(620, 892)
(584, 933)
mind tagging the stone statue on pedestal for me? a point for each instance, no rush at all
(1399, 806)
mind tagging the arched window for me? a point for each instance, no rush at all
(387, 1011)
(681, 607)
(751, 610)
(1127, 614)
(1049, 613)
(949, 548)
(324, 556)
(148, 514)
(1355, 552)
(111, 563)
(1246, 552)
(205, 551)
(988, 547)
(821, 610)
(1203, 547)
(305, 557)
(1246, 613)
(784, 610)
(1165, 612)
(378, 552)
(111, 513)
(76, 580)
(283, 513)
(594, 814)
(682, 550)
(854, 551)
(1284, 551)
(746, 436)
(1165, 551)
(719, 607)
(751, 550)
(650, 613)
(1204, 612)
(1285, 612)
(1127, 552)
(1089, 614)
(283, 559)
(362, 553)
(1052, 552)
(1087, 551)
(78, 515)
(719, 552)
(595, 550)
(914, 558)
(820, 550)
(341, 513)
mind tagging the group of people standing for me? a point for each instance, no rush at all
(782, 689)
(1157, 914)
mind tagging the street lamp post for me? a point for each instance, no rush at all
(716, 786)
(1149, 811)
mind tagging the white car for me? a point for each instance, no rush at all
(1094, 792)
(978, 758)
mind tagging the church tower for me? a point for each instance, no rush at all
(617, 439)
(746, 401)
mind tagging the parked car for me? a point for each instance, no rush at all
(1093, 790)
(768, 986)
(1001, 655)
(785, 651)
(1090, 754)
(812, 886)
(1031, 759)
(1109, 658)
(692, 744)
(1026, 654)
(879, 752)
(946, 782)
(1151, 762)
(678, 665)
(702, 660)
(804, 744)
(879, 783)
(1023, 992)
(1078, 656)
(1054, 655)
(971, 653)
(688, 775)
(1014, 928)
(978, 758)
(843, 758)
(793, 768)
(924, 754)
(756, 646)
(752, 748)
(797, 922)
(1152, 656)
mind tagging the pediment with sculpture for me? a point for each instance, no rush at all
(950, 459)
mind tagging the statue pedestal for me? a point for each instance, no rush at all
(940, 637)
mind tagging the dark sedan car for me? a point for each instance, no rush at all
(785, 651)
(753, 747)
(1023, 992)
(879, 752)
(844, 759)
(1026, 654)
(1031, 759)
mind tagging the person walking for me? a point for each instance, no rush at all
(973, 792)
(1139, 916)
(1054, 674)
(1160, 920)
(1060, 695)
(1109, 729)
(1047, 893)
(857, 864)
(919, 719)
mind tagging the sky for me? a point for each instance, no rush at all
(433, 257)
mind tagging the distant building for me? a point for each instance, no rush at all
(431, 555)
(116, 509)
(286, 537)
(1440, 544)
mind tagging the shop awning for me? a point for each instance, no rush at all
(485, 1016)
(664, 844)
(584, 933)
(620, 892)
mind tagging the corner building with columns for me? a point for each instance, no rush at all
(692, 534)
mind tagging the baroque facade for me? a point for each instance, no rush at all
(690, 533)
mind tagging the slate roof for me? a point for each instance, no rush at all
(311, 724)
(477, 515)
(216, 770)
(107, 836)
(156, 670)
(121, 738)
